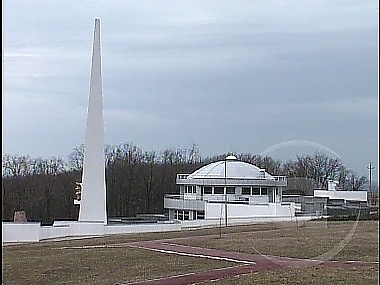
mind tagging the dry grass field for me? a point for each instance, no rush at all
(312, 239)
(110, 260)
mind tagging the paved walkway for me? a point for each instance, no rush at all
(245, 262)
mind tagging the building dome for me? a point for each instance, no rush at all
(235, 169)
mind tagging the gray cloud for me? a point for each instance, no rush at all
(226, 75)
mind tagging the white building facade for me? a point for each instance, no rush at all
(350, 196)
(228, 190)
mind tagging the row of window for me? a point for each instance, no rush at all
(190, 189)
(184, 215)
(218, 190)
(254, 191)
(230, 190)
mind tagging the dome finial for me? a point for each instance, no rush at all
(231, 157)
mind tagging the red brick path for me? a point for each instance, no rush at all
(245, 263)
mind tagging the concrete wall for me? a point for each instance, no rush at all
(143, 228)
(75, 228)
(172, 202)
(345, 195)
(49, 232)
(261, 199)
(34, 232)
(237, 214)
(21, 232)
(189, 225)
(244, 211)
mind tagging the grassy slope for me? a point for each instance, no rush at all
(52, 263)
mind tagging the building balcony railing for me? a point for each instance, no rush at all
(279, 181)
(280, 178)
(182, 176)
(172, 201)
(183, 196)
(188, 200)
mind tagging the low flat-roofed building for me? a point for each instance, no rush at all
(346, 196)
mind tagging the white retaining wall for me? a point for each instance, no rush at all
(346, 195)
(196, 224)
(34, 232)
(21, 232)
(49, 232)
(237, 214)
(247, 211)
(143, 228)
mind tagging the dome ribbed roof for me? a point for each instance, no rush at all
(235, 169)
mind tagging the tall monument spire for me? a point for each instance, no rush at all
(93, 197)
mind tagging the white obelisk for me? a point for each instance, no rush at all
(93, 197)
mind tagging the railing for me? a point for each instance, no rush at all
(278, 181)
(217, 198)
(280, 178)
(182, 202)
(183, 196)
(182, 176)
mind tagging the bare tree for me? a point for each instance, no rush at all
(355, 182)
(76, 158)
(326, 168)
(16, 165)
(150, 160)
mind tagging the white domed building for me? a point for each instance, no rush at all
(231, 191)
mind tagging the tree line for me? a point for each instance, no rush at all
(136, 180)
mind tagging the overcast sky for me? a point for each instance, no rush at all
(241, 76)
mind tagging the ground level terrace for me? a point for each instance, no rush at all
(34, 232)
(180, 207)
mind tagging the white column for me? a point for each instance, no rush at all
(93, 200)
